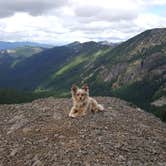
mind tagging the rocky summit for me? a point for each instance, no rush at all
(40, 133)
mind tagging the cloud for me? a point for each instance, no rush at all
(148, 21)
(107, 10)
(63, 21)
(155, 2)
(98, 14)
(33, 7)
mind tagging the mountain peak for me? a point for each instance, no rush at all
(41, 133)
(107, 43)
(73, 44)
(149, 37)
(13, 45)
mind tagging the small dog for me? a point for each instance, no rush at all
(82, 103)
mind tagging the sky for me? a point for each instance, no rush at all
(60, 22)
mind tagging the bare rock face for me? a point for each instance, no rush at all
(110, 75)
(160, 102)
(41, 133)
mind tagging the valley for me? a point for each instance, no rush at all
(134, 70)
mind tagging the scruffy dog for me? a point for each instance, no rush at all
(82, 103)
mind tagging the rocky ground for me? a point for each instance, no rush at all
(41, 134)
(160, 102)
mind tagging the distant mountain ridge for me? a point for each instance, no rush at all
(35, 70)
(12, 45)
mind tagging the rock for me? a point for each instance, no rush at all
(36, 161)
(13, 152)
(17, 124)
(26, 130)
(16, 118)
(57, 116)
(160, 102)
(42, 133)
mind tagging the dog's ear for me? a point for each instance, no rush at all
(74, 88)
(85, 87)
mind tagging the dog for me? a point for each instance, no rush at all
(82, 102)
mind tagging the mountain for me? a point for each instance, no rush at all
(42, 133)
(134, 70)
(140, 59)
(11, 57)
(36, 70)
(109, 43)
(13, 45)
(20, 52)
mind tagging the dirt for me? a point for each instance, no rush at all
(42, 134)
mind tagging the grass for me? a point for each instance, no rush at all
(10, 96)
(100, 53)
(27, 51)
(67, 67)
(78, 60)
(14, 63)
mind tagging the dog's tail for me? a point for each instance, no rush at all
(100, 107)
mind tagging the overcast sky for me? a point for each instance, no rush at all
(63, 21)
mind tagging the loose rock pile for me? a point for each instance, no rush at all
(41, 133)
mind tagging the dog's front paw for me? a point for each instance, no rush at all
(73, 113)
(71, 116)
(100, 107)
